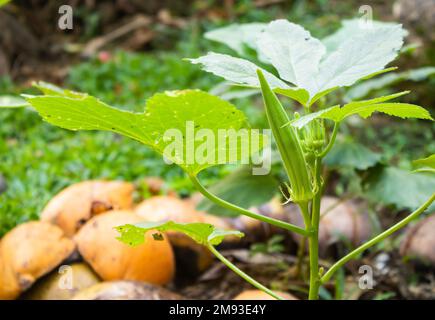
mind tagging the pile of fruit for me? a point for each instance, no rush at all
(72, 251)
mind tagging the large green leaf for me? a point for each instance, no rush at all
(352, 155)
(237, 36)
(364, 88)
(404, 189)
(202, 233)
(292, 51)
(168, 116)
(242, 189)
(365, 109)
(301, 59)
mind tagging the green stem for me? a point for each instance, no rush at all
(245, 212)
(242, 274)
(331, 141)
(300, 257)
(305, 214)
(377, 239)
(314, 238)
(301, 250)
(315, 280)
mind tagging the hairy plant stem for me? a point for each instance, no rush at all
(245, 212)
(353, 254)
(315, 280)
(242, 274)
(314, 237)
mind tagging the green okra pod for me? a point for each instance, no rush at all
(288, 144)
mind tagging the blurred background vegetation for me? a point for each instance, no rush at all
(126, 50)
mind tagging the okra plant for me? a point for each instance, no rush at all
(308, 70)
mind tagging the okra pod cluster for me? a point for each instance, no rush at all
(289, 145)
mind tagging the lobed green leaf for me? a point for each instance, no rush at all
(401, 110)
(202, 233)
(365, 109)
(172, 110)
(304, 61)
(359, 56)
(293, 52)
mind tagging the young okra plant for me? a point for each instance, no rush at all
(308, 70)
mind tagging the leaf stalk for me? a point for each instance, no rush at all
(243, 275)
(353, 254)
(245, 212)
